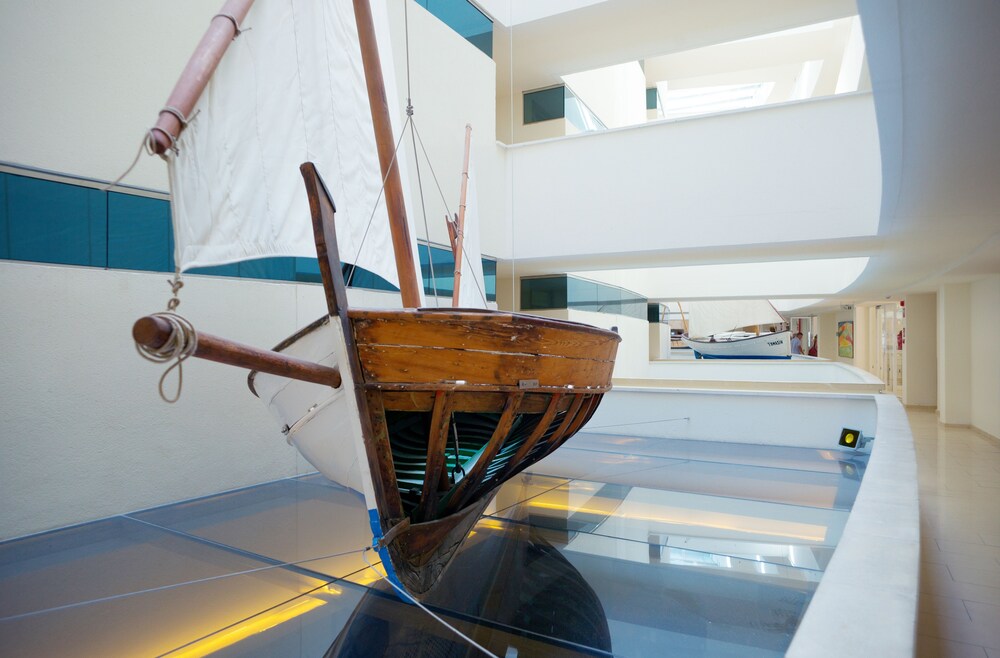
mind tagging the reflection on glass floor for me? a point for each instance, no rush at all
(611, 546)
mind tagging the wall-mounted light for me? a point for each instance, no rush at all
(854, 438)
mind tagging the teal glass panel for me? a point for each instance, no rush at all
(50, 222)
(490, 278)
(139, 233)
(609, 299)
(466, 19)
(359, 277)
(651, 98)
(276, 269)
(653, 313)
(97, 218)
(307, 269)
(543, 293)
(437, 268)
(232, 269)
(583, 295)
(4, 224)
(544, 105)
(633, 305)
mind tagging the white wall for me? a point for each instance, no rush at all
(736, 169)
(954, 353)
(659, 340)
(985, 370)
(809, 420)
(85, 433)
(920, 351)
(828, 336)
(83, 82)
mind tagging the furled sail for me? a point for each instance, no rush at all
(711, 317)
(290, 89)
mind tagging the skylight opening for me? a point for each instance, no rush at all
(706, 100)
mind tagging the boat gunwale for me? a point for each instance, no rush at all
(739, 340)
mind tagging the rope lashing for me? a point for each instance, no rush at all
(236, 26)
(182, 343)
(175, 287)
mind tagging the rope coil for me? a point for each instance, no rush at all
(182, 343)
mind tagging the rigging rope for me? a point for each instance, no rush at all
(182, 343)
(643, 422)
(423, 204)
(415, 136)
(144, 146)
(417, 603)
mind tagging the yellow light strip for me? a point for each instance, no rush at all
(252, 626)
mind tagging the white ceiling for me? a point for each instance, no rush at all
(934, 71)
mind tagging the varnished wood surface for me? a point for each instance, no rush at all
(421, 553)
(437, 441)
(556, 404)
(154, 332)
(220, 33)
(488, 331)
(471, 401)
(385, 141)
(386, 363)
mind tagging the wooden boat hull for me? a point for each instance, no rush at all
(455, 402)
(766, 346)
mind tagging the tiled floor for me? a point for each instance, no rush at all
(959, 477)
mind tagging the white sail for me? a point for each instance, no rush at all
(290, 89)
(711, 317)
(472, 289)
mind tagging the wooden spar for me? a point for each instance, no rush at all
(683, 319)
(154, 332)
(220, 33)
(458, 237)
(409, 282)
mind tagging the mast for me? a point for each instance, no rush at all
(457, 231)
(223, 28)
(409, 284)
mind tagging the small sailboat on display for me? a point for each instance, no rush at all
(425, 411)
(717, 324)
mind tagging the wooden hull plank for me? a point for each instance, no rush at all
(485, 331)
(385, 363)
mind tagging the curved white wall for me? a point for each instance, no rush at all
(799, 171)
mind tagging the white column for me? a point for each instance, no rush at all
(954, 353)
(920, 351)
(984, 306)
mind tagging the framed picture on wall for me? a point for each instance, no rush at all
(845, 339)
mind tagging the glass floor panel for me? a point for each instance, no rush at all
(608, 547)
